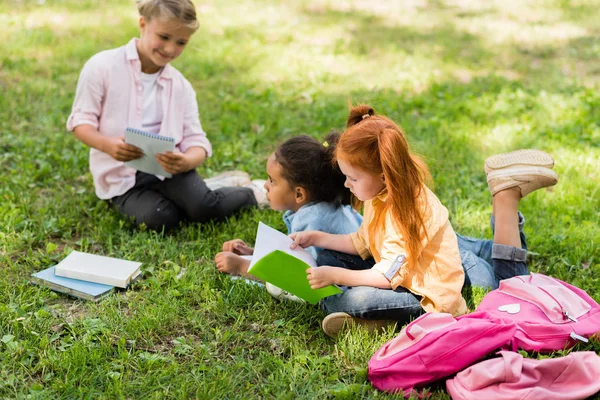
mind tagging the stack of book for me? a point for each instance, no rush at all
(88, 276)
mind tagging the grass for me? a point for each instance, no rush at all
(465, 80)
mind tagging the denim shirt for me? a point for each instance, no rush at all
(322, 216)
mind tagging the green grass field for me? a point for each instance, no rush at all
(465, 80)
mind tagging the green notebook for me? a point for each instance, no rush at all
(273, 261)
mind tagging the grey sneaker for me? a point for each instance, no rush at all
(228, 179)
(281, 294)
(258, 187)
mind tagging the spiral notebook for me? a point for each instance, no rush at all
(151, 145)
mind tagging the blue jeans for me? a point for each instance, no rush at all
(365, 301)
(486, 263)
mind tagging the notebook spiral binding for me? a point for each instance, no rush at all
(148, 134)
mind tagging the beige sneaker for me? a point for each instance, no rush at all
(258, 187)
(527, 169)
(526, 157)
(334, 323)
(228, 179)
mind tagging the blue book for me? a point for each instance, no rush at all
(73, 287)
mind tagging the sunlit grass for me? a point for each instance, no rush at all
(465, 79)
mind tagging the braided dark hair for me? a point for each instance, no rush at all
(308, 163)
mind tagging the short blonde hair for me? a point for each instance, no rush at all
(182, 10)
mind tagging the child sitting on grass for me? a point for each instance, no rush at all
(135, 86)
(405, 260)
(304, 182)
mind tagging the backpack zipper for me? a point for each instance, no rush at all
(564, 311)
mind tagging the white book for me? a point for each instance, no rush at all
(98, 269)
(151, 145)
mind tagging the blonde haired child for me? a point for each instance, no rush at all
(405, 258)
(135, 86)
(304, 183)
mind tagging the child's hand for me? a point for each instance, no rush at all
(238, 246)
(121, 151)
(303, 239)
(321, 276)
(173, 163)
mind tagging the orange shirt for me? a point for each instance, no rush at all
(438, 276)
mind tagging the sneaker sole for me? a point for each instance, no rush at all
(529, 157)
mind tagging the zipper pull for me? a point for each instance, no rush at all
(575, 336)
(568, 316)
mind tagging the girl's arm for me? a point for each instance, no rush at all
(323, 276)
(112, 145)
(341, 243)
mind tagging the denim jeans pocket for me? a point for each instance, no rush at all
(468, 259)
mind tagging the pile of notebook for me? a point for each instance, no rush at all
(88, 276)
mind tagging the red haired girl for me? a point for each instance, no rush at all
(405, 259)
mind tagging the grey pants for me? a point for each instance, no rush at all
(184, 197)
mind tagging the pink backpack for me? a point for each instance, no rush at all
(550, 314)
(434, 346)
(511, 376)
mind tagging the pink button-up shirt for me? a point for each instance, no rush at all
(109, 97)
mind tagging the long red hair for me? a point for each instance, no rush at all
(377, 145)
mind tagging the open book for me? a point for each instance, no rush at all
(98, 269)
(273, 261)
(151, 145)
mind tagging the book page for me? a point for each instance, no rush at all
(269, 240)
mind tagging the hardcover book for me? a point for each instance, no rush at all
(73, 287)
(98, 269)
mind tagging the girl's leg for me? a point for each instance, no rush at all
(368, 302)
(148, 206)
(511, 177)
(198, 203)
(508, 258)
(343, 260)
(478, 271)
(482, 248)
(375, 304)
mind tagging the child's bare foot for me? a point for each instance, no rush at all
(238, 246)
(230, 263)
